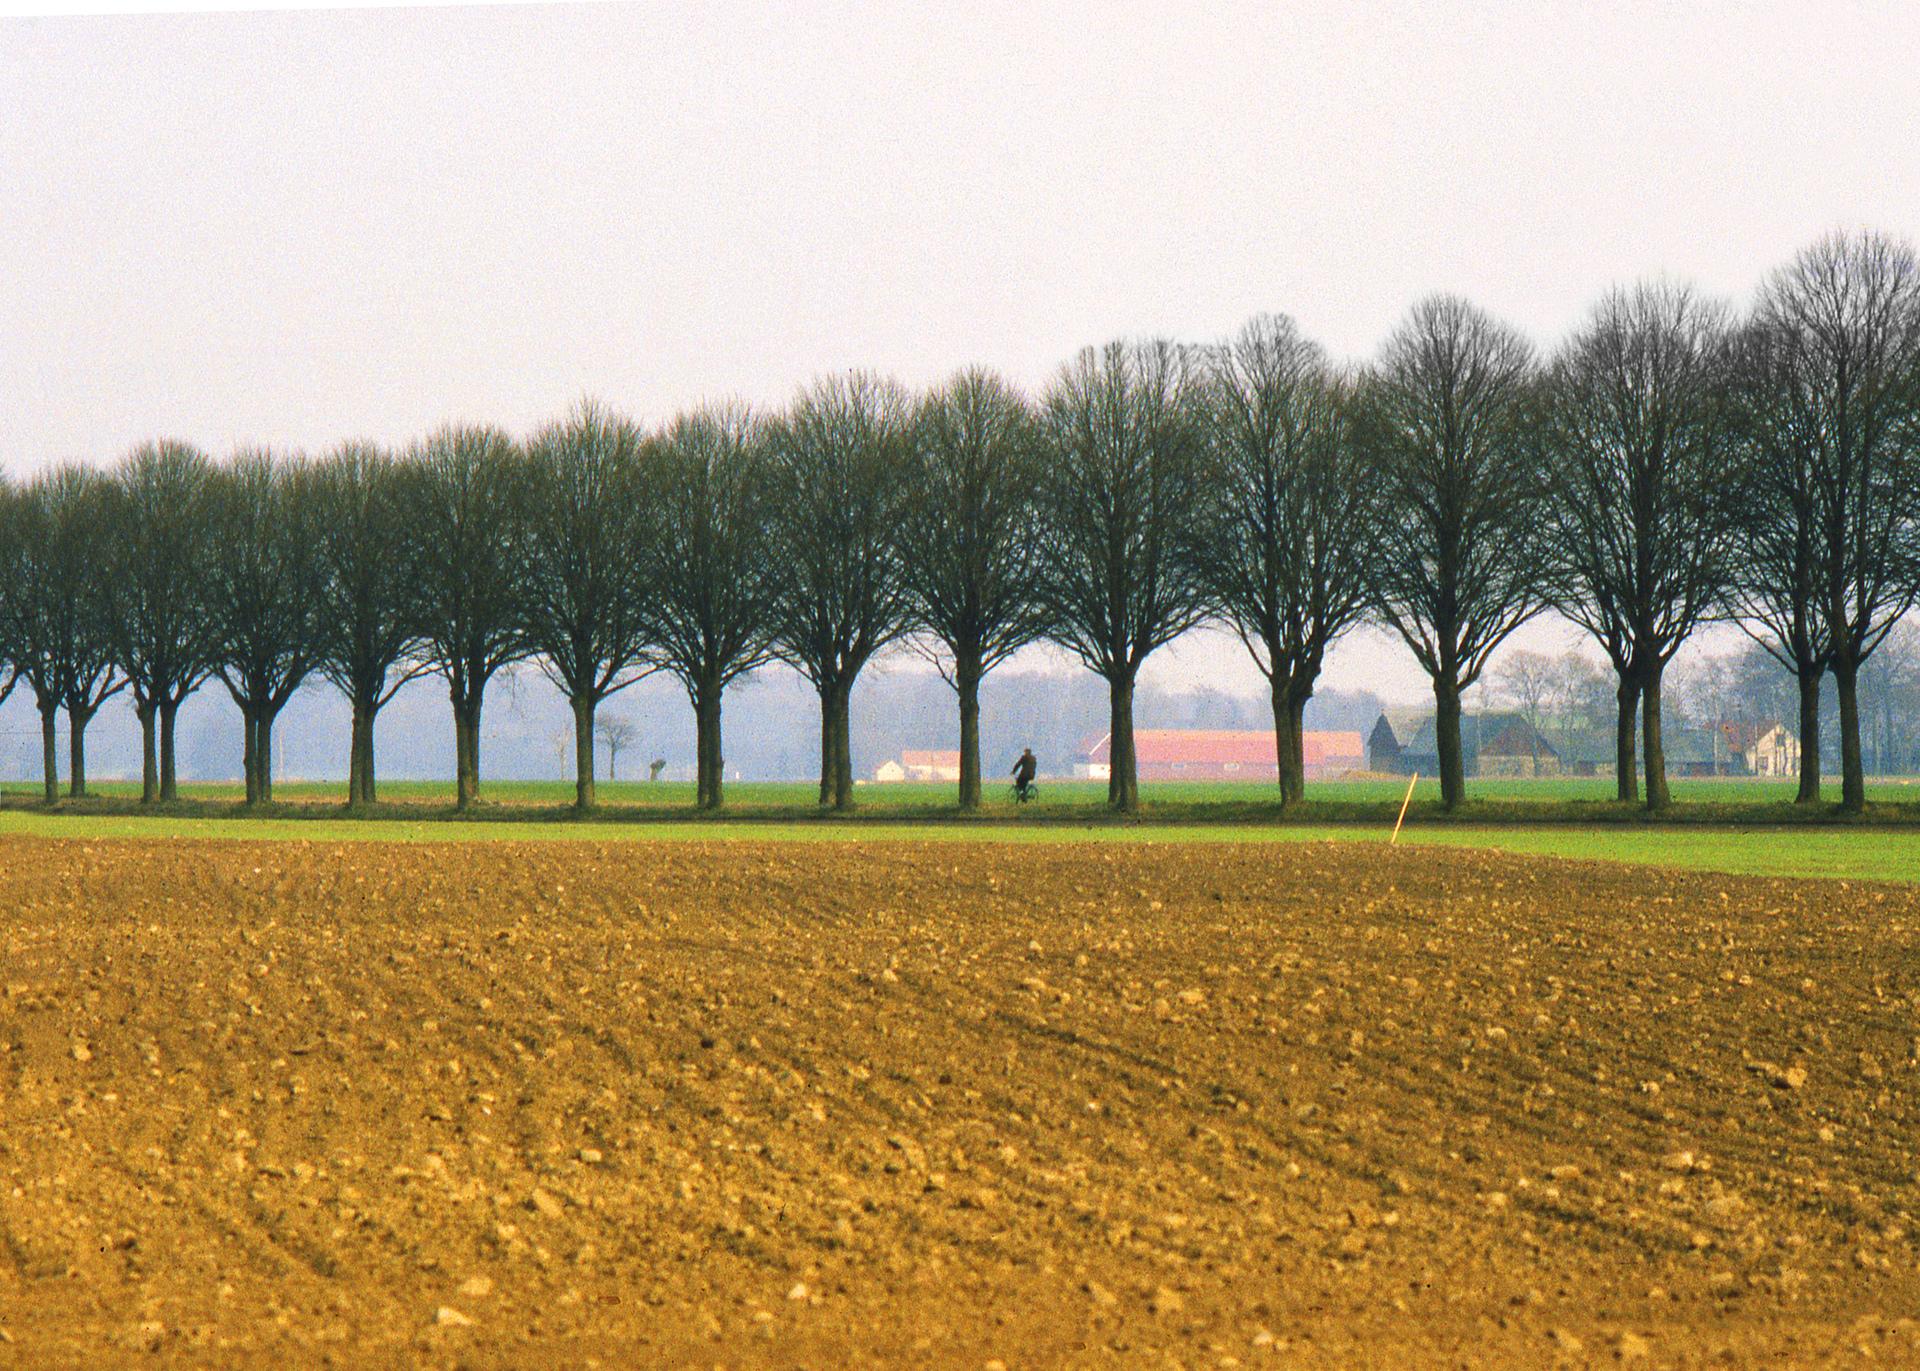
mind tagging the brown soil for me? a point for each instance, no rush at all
(740, 1105)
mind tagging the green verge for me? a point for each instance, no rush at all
(1489, 798)
(1860, 853)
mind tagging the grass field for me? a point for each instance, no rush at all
(1833, 852)
(909, 797)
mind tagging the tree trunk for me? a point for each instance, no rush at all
(77, 750)
(1809, 735)
(1853, 778)
(1299, 708)
(1626, 783)
(250, 752)
(583, 752)
(1446, 735)
(1286, 741)
(966, 680)
(369, 787)
(706, 722)
(827, 768)
(359, 754)
(466, 750)
(1658, 796)
(49, 762)
(149, 753)
(169, 783)
(1123, 772)
(843, 747)
(263, 752)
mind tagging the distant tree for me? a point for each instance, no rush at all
(1776, 571)
(590, 514)
(1446, 419)
(1120, 501)
(1294, 518)
(366, 625)
(1528, 681)
(968, 539)
(164, 633)
(1846, 316)
(463, 492)
(1641, 530)
(1890, 701)
(266, 581)
(617, 734)
(842, 484)
(716, 583)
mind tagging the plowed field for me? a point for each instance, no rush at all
(946, 1105)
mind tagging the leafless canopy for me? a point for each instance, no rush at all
(1642, 530)
(1446, 420)
(842, 483)
(367, 625)
(715, 581)
(265, 595)
(1831, 389)
(1293, 526)
(590, 514)
(163, 633)
(468, 540)
(967, 539)
(1120, 502)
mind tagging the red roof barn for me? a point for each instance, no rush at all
(1207, 754)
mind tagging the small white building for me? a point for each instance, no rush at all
(914, 765)
(1776, 752)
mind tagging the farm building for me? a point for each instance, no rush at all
(1496, 744)
(915, 765)
(1205, 754)
(1764, 749)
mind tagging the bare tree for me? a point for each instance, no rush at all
(1642, 533)
(617, 734)
(164, 638)
(1120, 503)
(1890, 699)
(462, 494)
(264, 596)
(1294, 522)
(1776, 573)
(83, 505)
(366, 623)
(715, 582)
(1446, 418)
(59, 615)
(968, 542)
(1846, 315)
(1530, 681)
(589, 517)
(841, 488)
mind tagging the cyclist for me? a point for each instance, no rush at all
(1023, 771)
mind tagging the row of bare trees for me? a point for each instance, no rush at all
(1668, 465)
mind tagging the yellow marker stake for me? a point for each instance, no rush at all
(1403, 810)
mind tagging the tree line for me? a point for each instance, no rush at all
(1670, 464)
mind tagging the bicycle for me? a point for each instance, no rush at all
(1022, 794)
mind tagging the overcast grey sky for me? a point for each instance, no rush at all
(299, 227)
